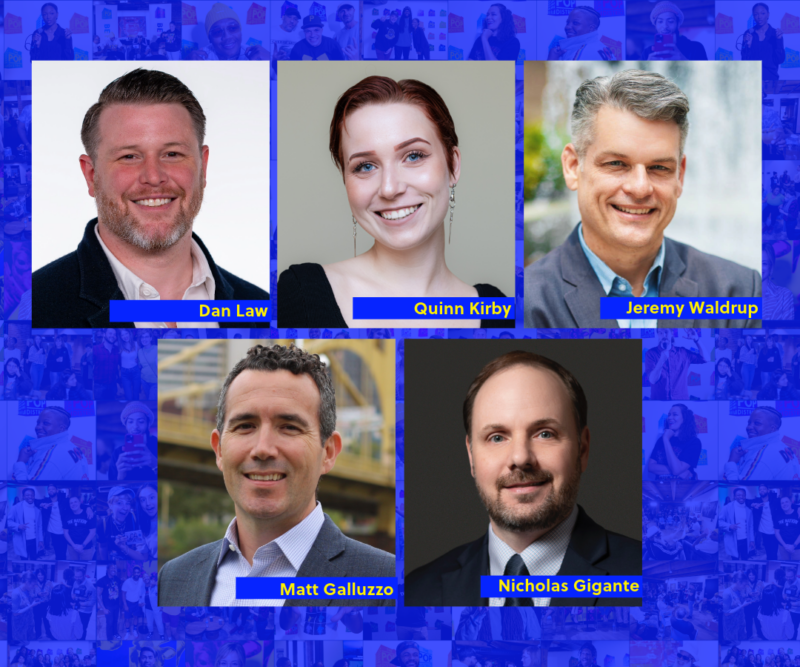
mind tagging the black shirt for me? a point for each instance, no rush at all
(329, 49)
(690, 50)
(111, 591)
(503, 50)
(307, 300)
(78, 525)
(687, 451)
(788, 525)
(769, 51)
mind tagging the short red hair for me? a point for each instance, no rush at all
(384, 90)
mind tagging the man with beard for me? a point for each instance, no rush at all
(588, 655)
(762, 455)
(51, 455)
(583, 39)
(145, 164)
(527, 441)
(407, 655)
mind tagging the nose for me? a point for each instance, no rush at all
(521, 452)
(392, 182)
(638, 185)
(265, 444)
(153, 172)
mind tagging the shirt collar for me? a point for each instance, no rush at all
(134, 288)
(304, 533)
(548, 550)
(611, 281)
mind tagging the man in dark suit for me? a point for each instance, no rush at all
(274, 439)
(528, 441)
(627, 165)
(145, 165)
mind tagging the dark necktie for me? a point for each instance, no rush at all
(516, 568)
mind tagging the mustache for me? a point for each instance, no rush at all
(523, 477)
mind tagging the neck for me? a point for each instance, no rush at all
(254, 532)
(169, 271)
(415, 272)
(519, 541)
(633, 265)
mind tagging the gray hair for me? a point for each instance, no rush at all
(648, 95)
(294, 360)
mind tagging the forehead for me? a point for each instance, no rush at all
(144, 124)
(380, 127)
(272, 392)
(522, 394)
(641, 140)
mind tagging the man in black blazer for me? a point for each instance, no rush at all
(528, 444)
(627, 165)
(275, 437)
(145, 165)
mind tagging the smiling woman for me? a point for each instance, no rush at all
(396, 146)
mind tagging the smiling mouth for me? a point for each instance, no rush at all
(154, 202)
(633, 210)
(398, 214)
(274, 477)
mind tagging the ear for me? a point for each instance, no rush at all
(469, 454)
(333, 446)
(216, 445)
(584, 445)
(456, 165)
(570, 164)
(204, 157)
(681, 174)
(87, 167)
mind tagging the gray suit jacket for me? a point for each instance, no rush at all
(188, 581)
(562, 290)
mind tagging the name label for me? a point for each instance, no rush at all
(279, 588)
(562, 587)
(631, 308)
(190, 311)
(408, 308)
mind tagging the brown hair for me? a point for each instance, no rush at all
(521, 358)
(142, 86)
(383, 90)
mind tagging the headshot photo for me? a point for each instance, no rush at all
(532, 427)
(274, 438)
(581, 30)
(140, 143)
(407, 175)
(639, 206)
(682, 30)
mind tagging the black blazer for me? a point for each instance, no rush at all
(306, 299)
(74, 290)
(455, 578)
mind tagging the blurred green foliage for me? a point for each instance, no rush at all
(542, 162)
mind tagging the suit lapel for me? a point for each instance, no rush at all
(320, 561)
(583, 290)
(587, 545)
(464, 583)
(673, 282)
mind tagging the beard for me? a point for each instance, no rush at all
(549, 513)
(124, 224)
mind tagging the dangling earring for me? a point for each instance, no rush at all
(355, 231)
(452, 206)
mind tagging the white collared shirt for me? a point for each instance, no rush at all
(133, 288)
(542, 558)
(280, 558)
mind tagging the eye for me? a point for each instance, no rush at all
(416, 156)
(496, 438)
(615, 163)
(364, 168)
(547, 435)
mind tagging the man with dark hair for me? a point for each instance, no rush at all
(275, 438)
(315, 46)
(588, 655)
(147, 657)
(51, 455)
(626, 164)
(347, 35)
(762, 455)
(583, 38)
(527, 440)
(145, 164)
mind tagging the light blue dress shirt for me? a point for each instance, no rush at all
(614, 285)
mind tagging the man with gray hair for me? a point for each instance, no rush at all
(627, 164)
(275, 438)
(145, 165)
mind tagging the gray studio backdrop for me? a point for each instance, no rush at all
(314, 218)
(442, 508)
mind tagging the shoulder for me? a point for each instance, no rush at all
(181, 566)
(486, 291)
(427, 577)
(369, 561)
(241, 288)
(53, 275)
(301, 277)
(716, 276)
(306, 298)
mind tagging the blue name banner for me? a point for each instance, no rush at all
(562, 587)
(457, 308)
(279, 588)
(631, 308)
(190, 311)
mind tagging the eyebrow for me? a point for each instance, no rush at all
(399, 147)
(135, 146)
(251, 416)
(607, 154)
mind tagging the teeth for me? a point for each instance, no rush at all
(399, 214)
(635, 211)
(266, 478)
(154, 202)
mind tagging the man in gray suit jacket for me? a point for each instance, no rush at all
(275, 437)
(627, 165)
